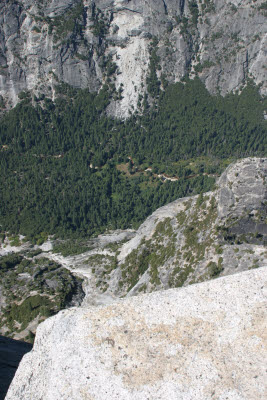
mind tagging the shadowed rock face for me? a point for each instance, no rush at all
(11, 353)
(44, 43)
(242, 199)
(202, 342)
(242, 187)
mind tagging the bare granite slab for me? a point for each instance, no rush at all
(205, 341)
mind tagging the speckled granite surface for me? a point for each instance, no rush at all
(201, 342)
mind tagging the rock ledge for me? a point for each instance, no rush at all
(205, 341)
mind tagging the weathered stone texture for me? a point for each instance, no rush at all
(202, 342)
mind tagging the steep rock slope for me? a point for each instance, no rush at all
(130, 45)
(189, 240)
(205, 341)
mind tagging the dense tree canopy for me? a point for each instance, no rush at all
(49, 152)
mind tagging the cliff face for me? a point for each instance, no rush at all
(205, 341)
(89, 43)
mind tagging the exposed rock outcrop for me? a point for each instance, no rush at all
(88, 43)
(202, 342)
(191, 239)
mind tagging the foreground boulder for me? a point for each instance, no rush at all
(205, 341)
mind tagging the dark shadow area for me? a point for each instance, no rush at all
(11, 353)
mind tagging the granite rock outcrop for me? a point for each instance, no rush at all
(202, 342)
